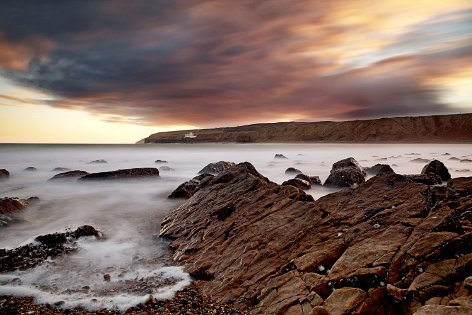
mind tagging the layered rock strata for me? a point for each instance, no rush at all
(389, 246)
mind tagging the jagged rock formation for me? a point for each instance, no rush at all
(389, 246)
(129, 173)
(9, 205)
(454, 128)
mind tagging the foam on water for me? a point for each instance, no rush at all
(129, 213)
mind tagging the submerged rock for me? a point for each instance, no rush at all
(69, 175)
(50, 245)
(292, 170)
(438, 168)
(345, 173)
(271, 249)
(4, 174)
(280, 157)
(99, 161)
(420, 160)
(9, 205)
(166, 168)
(299, 183)
(216, 167)
(123, 174)
(30, 169)
(160, 161)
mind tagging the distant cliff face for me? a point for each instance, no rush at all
(453, 128)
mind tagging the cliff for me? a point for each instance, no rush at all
(455, 128)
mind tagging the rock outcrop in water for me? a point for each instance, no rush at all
(129, 173)
(69, 175)
(345, 173)
(9, 205)
(389, 246)
(49, 245)
(215, 168)
(438, 168)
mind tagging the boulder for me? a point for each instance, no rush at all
(427, 179)
(292, 170)
(271, 249)
(280, 156)
(69, 175)
(216, 167)
(298, 182)
(438, 168)
(4, 174)
(379, 169)
(30, 169)
(315, 180)
(123, 174)
(9, 205)
(345, 173)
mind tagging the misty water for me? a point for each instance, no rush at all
(129, 213)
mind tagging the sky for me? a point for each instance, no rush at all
(118, 71)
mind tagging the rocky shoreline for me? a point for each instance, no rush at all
(394, 244)
(391, 245)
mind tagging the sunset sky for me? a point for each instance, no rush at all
(117, 71)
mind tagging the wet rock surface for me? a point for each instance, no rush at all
(280, 156)
(438, 168)
(61, 169)
(99, 161)
(217, 167)
(30, 169)
(122, 174)
(9, 205)
(69, 175)
(49, 245)
(345, 173)
(389, 246)
(292, 171)
(189, 188)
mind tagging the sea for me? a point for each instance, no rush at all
(129, 213)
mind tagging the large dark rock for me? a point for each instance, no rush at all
(345, 173)
(292, 171)
(379, 169)
(189, 188)
(427, 179)
(123, 174)
(9, 205)
(69, 175)
(299, 183)
(49, 245)
(270, 249)
(4, 174)
(438, 168)
(217, 167)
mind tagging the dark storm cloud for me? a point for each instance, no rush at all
(207, 63)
